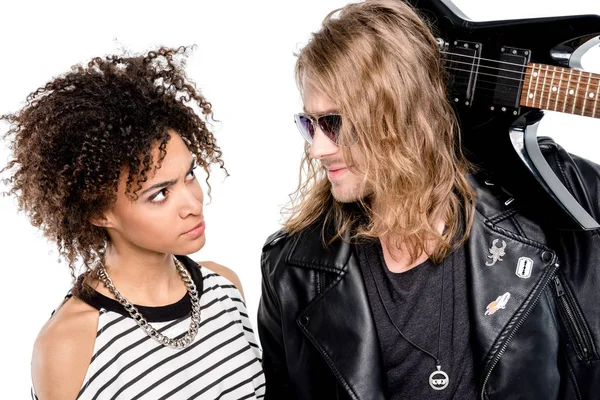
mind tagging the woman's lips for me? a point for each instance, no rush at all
(197, 231)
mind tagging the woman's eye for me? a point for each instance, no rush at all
(160, 196)
(191, 175)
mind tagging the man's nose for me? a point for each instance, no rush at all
(322, 146)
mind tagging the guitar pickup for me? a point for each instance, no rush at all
(462, 63)
(509, 78)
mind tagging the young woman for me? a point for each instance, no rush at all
(103, 163)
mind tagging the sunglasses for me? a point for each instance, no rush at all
(330, 124)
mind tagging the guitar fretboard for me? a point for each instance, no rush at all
(561, 89)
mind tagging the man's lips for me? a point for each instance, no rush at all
(336, 172)
(333, 166)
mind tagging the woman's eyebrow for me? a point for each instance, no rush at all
(167, 183)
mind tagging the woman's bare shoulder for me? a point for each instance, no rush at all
(63, 350)
(225, 272)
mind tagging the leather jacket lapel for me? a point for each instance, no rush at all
(506, 274)
(343, 308)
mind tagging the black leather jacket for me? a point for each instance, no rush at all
(318, 334)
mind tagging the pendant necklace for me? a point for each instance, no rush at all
(438, 380)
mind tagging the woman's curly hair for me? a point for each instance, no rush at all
(75, 135)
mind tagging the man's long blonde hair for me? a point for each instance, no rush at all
(379, 62)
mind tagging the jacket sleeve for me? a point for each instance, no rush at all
(581, 177)
(271, 337)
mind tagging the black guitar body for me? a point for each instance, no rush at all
(485, 62)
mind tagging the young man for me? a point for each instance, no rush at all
(401, 273)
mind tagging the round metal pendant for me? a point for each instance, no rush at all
(438, 380)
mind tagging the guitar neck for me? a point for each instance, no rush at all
(561, 89)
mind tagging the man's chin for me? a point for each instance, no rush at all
(349, 196)
(344, 197)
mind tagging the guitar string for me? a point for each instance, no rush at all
(556, 79)
(539, 93)
(480, 58)
(488, 66)
(522, 80)
(562, 107)
(492, 86)
(580, 95)
(559, 102)
(578, 72)
(576, 107)
(590, 79)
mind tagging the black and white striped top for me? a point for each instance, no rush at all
(223, 362)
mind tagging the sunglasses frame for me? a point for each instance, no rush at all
(314, 120)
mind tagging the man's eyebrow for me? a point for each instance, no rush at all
(167, 183)
(333, 110)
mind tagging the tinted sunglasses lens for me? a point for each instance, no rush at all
(331, 125)
(305, 127)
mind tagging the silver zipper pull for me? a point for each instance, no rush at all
(559, 288)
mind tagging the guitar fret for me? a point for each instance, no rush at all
(528, 77)
(576, 94)
(551, 87)
(562, 72)
(536, 76)
(543, 84)
(568, 89)
(586, 94)
(595, 98)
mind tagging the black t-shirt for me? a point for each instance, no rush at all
(413, 299)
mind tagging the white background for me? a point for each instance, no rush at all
(244, 66)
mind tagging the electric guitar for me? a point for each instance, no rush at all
(501, 74)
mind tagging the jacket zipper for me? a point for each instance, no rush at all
(572, 317)
(524, 316)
